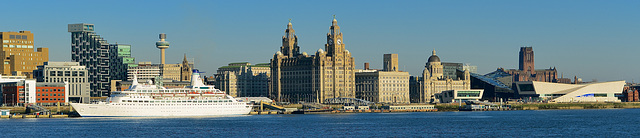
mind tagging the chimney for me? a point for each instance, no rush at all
(366, 66)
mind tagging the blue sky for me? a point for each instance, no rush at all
(589, 39)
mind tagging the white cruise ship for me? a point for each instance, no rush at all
(147, 100)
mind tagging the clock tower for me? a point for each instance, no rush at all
(335, 45)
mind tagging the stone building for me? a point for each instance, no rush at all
(18, 54)
(243, 79)
(71, 72)
(298, 76)
(527, 71)
(388, 85)
(433, 80)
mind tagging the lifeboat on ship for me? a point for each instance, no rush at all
(193, 94)
(208, 94)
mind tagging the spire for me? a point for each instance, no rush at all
(433, 52)
(185, 58)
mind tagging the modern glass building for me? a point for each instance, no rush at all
(121, 60)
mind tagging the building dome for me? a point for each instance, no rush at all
(278, 53)
(320, 51)
(434, 57)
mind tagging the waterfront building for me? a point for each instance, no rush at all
(312, 78)
(388, 85)
(382, 86)
(92, 51)
(558, 92)
(496, 85)
(120, 59)
(243, 79)
(18, 54)
(630, 95)
(410, 107)
(433, 80)
(71, 72)
(414, 89)
(527, 71)
(27, 91)
(450, 96)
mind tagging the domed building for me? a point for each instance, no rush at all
(433, 81)
(312, 78)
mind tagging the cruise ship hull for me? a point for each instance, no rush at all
(159, 110)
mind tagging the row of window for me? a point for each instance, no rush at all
(18, 46)
(54, 94)
(50, 90)
(18, 37)
(172, 101)
(50, 99)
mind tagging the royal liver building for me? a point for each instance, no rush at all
(298, 76)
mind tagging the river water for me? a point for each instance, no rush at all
(539, 123)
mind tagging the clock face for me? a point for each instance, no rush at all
(339, 42)
(331, 41)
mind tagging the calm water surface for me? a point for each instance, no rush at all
(542, 123)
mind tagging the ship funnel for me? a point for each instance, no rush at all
(195, 78)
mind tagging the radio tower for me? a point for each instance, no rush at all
(162, 45)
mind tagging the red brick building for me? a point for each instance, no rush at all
(19, 93)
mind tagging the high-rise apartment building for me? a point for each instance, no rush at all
(120, 60)
(243, 79)
(18, 54)
(92, 51)
(298, 76)
(70, 72)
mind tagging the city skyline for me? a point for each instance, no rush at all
(579, 39)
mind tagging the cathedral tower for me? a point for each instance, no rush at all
(527, 63)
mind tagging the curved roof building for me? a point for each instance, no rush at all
(559, 92)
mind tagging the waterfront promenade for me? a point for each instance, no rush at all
(64, 111)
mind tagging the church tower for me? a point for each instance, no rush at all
(185, 70)
(290, 42)
(527, 63)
